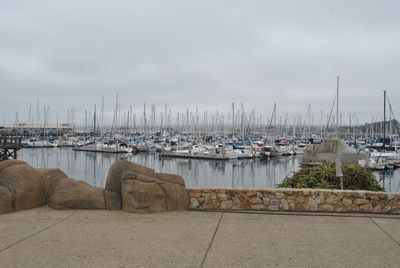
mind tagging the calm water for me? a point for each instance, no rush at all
(93, 168)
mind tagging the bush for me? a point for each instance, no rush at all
(324, 177)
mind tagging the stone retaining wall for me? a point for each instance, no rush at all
(295, 200)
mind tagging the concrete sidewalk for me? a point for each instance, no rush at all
(49, 238)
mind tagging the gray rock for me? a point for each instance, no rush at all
(312, 204)
(193, 203)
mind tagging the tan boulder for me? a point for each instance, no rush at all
(117, 170)
(25, 183)
(71, 194)
(167, 195)
(176, 197)
(142, 194)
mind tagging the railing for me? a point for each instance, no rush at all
(10, 142)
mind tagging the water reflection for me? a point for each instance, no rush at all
(93, 168)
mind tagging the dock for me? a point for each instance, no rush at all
(188, 156)
(100, 151)
(9, 147)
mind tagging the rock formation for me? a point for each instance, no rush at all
(142, 190)
(129, 186)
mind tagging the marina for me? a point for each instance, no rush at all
(244, 173)
(199, 134)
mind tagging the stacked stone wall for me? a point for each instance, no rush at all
(294, 200)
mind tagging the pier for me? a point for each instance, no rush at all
(9, 147)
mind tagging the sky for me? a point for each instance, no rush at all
(206, 54)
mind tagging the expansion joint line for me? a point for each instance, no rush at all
(38, 232)
(212, 240)
(391, 237)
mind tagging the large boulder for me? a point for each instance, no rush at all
(142, 194)
(174, 186)
(117, 170)
(71, 194)
(6, 200)
(25, 183)
(158, 193)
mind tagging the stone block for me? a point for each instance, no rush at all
(347, 201)
(360, 201)
(222, 197)
(367, 208)
(280, 195)
(284, 205)
(326, 208)
(332, 200)
(194, 204)
(227, 204)
(258, 206)
(256, 200)
(311, 204)
(251, 193)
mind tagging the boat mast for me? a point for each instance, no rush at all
(384, 118)
(337, 106)
(94, 120)
(233, 120)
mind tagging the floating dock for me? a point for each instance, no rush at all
(100, 151)
(203, 157)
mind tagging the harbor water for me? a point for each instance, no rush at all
(249, 173)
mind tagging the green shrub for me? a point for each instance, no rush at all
(324, 177)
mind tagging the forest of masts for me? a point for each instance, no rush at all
(238, 122)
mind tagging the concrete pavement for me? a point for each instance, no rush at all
(44, 237)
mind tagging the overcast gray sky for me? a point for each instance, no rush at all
(199, 53)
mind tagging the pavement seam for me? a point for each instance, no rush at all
(380, 227)
(212, 240)
(38, 232)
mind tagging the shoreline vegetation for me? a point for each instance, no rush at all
(324, 177)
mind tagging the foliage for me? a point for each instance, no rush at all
(324, 177)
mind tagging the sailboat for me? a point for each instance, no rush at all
(384, 156)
